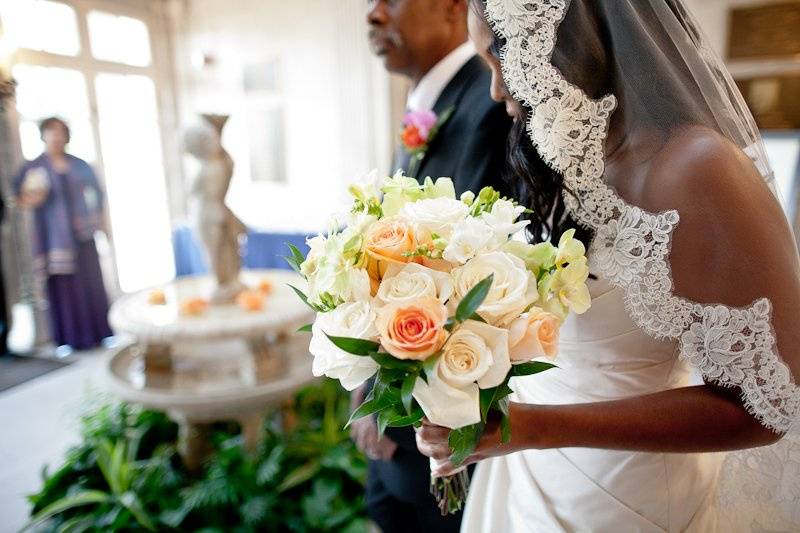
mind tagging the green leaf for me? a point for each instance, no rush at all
(531, 368)
(371, 406)
(360, 347)
(305, 329)
(300, 475)
(297, 255)
(491, 397)
(134, 506)
(505, 422)
(473, 299)
(477, 318)
(407, 390)
(386, 360)
(463, 442)
(64, 504)
(408, 420)
(303, 297)
(429, 365)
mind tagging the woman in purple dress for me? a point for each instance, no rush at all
(67, 201)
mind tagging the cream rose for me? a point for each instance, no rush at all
(355, 320)
(412, 330)
(437, 215)
(513, 289)
(475, 357)
(389, 241)
(534, 334)
(407, 284)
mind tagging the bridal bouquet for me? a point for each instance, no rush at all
(429, 295)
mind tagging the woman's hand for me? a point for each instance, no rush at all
(432, 441)
(32, 199)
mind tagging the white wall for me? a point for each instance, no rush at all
(336, 98)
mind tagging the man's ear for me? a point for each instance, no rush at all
(456, 9)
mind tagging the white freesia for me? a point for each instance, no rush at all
(513, 290)
(338, 281)
(475, 357)
(436, 215)
(469, 238)
(503, 219)
(411, 282)
(355, 320)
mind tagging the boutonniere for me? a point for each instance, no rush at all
(419, 131)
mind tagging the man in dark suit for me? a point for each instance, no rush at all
(426, 41)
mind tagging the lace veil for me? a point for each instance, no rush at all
(643, 69)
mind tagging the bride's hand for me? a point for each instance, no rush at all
(432, 441)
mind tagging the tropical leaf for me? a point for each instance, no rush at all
(300, 475)
(87, 497)
(473, 299)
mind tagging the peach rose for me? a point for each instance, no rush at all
(532, 335)
(413, 331)
(387, 242)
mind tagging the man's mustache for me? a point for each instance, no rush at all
(390, 36)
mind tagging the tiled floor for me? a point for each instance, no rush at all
(38, 423)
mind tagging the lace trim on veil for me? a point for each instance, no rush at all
(731, 347)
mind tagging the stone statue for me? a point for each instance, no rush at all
(219, 229)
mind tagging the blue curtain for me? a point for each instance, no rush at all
(263, 250)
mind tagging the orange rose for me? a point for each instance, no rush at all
(387, 242)
(534, 334)
(250, 300)
(413, 331)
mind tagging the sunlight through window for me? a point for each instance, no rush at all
(41, 25)
(119, 39)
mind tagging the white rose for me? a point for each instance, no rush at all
(503, 219)
(437, 215)
(469, 238)
(513, 290)
(411, 282)
(356, 320)
(475, 357)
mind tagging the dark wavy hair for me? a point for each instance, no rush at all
(536, 185)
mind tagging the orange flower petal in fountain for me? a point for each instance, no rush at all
(413, 331)
(251, 300)
(194, 306)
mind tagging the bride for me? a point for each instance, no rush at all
(628, 126)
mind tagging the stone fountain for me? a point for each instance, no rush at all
(217, 347)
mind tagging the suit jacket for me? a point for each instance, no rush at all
(471, 146)
(471, 149)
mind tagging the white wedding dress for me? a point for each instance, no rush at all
(603, 356)
(639, 337)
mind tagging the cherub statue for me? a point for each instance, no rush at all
(219, 229)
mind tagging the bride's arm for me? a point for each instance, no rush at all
(732, 246)
(691, 419)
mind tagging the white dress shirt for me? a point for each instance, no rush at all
(423, 97)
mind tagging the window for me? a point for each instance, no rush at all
(41, 25)
(135, 181)
(119, 39)
(52, 91)
(783, 151)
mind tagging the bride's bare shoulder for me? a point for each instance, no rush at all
(697, 168)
